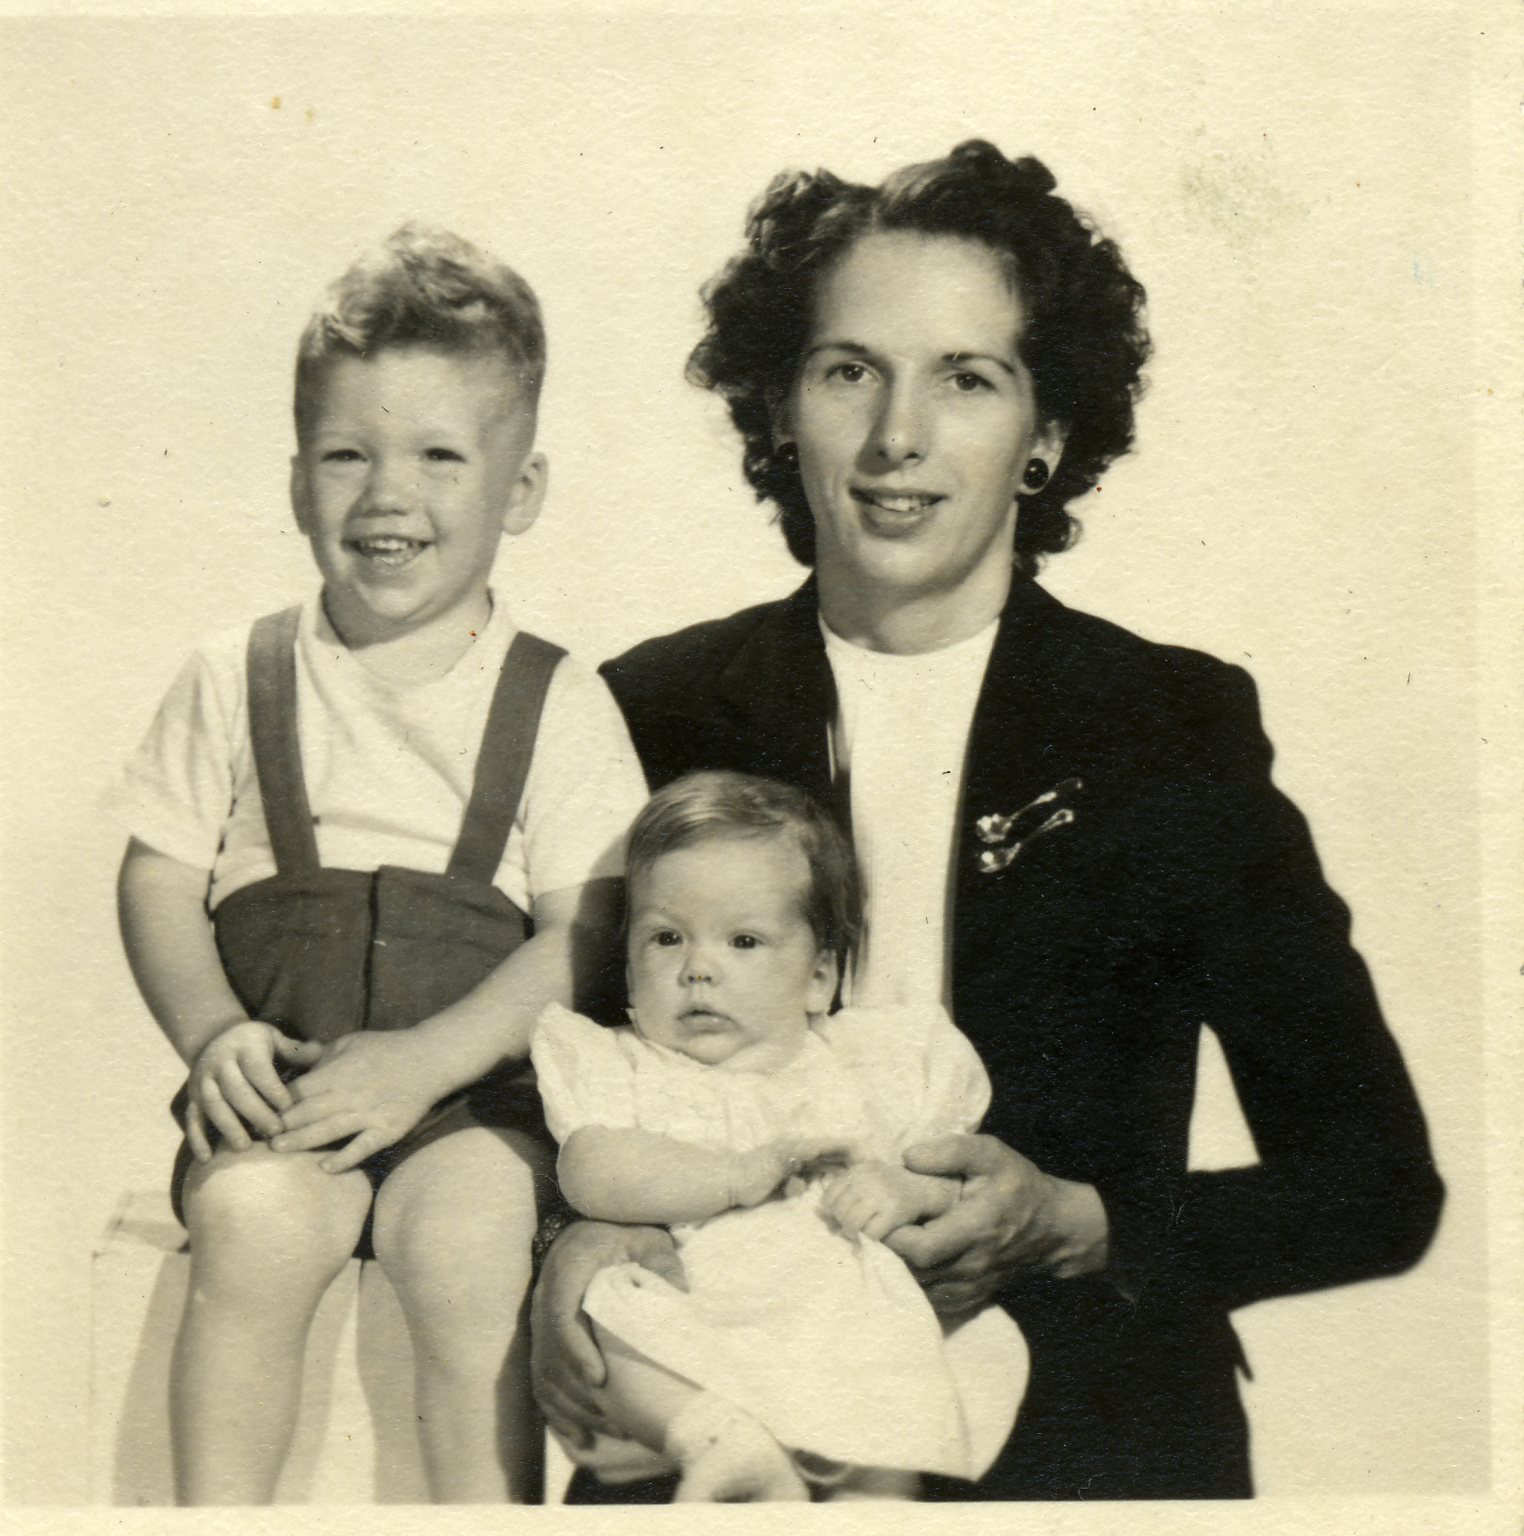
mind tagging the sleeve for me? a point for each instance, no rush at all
(1345, 1188)
(583, 1076)
(957, 1088)
(918, 1066)
(584, 786)
(176, 792)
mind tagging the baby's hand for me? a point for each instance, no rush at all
(759, 1172)
(872, 1199)
(235, 1083)
(374, 1086)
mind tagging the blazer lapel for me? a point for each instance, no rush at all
(778, 696)
(1016, 752)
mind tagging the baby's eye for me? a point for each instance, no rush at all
(665, 938)
(341, 456)
(444, 456)
(745, 941)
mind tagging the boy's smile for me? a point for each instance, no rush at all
(413, 464)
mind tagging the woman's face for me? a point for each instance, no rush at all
(914, 418)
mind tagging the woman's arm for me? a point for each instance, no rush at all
(1240, 932)
(622, 1174)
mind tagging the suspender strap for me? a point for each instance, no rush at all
(277, 752)
(502, 764)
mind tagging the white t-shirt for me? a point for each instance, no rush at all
(389, 767)
(901, 732)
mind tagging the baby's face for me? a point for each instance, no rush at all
(723, 965)
(413, 464)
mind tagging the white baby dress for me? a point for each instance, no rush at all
(827, 1340)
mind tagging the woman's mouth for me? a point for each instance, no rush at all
(894, 512)
(386, 549)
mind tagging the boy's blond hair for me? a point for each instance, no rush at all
(424, 287)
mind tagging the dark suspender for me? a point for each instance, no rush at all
(277, 751)
(502, 764)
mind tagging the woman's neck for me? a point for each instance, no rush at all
(909, 624)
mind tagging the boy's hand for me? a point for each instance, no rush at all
(873, 1199)
(372, 1086)
(235, 1083)
(760, 1172)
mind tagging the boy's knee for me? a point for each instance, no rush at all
(439, 1233)
(280, 1207)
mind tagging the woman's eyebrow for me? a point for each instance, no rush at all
(856, 348)
(958, 358)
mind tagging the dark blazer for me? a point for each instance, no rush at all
(1185, 892)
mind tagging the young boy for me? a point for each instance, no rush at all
(371, 839)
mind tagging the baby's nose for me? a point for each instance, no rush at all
(697, 967)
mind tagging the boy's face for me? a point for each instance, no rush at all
(723, 965)
(412, 465)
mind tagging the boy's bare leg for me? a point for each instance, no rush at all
(453, 1228)
(269, 1231)
(725, 1455)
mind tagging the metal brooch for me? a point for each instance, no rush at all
(998, 830)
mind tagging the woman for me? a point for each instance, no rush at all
(1068, 833)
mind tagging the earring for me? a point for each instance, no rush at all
(1035, 475)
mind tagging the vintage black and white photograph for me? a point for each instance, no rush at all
(763, 755)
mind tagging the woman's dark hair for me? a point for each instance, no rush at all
(1084, 346)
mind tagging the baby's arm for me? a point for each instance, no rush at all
(376, 1086)
(161, 904)
(629, 1175)
(873, 1198)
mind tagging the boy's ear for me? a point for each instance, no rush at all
(527, 494)
(299, 494)
(822, 984)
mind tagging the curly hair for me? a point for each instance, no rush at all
(1084, 346)
(699, 807)
(423, 287)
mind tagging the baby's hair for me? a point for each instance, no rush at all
(424, 287)
(702, 806)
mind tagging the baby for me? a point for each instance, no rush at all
(372, 837)
(767, 1132)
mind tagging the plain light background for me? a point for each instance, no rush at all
(1296, 190)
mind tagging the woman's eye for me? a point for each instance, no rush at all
(970, 383)
(848, 373)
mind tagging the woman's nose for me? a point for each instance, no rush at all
(900, 428)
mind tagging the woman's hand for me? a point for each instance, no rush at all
(565, 1365)
(373, 1086)
(1011, 1216)
(235, 1083)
